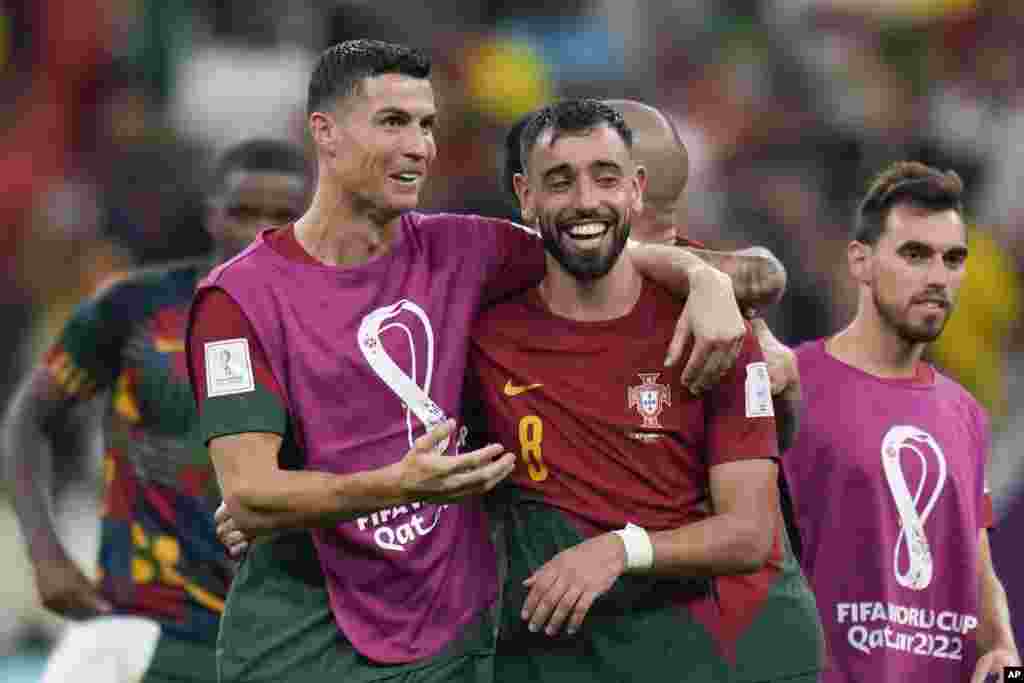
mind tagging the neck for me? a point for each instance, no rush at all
(605, 298)
(338, 232)
(870, 345)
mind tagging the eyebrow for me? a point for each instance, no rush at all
(396, 111)
(566, 168)
(917, 244)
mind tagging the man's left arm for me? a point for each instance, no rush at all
(995, 633)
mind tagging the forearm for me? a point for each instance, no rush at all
(28, 445)
(994, 628)
(720, 544)
(787, 415)
(758, 277)
(669, 266)
(304, 499)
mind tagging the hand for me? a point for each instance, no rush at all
(64, 589)
(570, 582)
(426, 475)
(759, 279)
(228, 532)
(992, 663)
(712, 317)
(782, 368)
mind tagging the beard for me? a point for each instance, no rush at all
(897, 319)
(584, 265)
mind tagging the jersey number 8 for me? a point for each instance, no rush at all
(531, 431)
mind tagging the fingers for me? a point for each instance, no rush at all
(694, 365)
(678, 343)
(580, 612)
(435, 436)
(481, 457)
(478, 481)
(547, 593)
(95, 602)
(221, 514)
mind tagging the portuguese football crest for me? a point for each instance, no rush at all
(649, 398)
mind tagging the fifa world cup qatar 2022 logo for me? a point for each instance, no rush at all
(412, 340)
(904, 444)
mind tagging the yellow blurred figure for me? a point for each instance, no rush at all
(972, 348)
(507, 78)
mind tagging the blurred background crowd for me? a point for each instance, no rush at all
(113, 109)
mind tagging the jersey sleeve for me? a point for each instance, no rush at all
(740, 421)
(986, 514)
(515, 261)
(253, 403)
(86, 357)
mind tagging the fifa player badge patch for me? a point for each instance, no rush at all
(759, 391)
(649, 398)
(228, 368)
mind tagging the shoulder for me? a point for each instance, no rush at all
(964, 402)
(135, 294)
(455, 225)
(239, 266)
(507, 319)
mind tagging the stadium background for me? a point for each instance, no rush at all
(112, 110)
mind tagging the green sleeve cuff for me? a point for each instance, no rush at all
(254, 411)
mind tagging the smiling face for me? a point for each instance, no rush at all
(581, 190)
(378, 142)
(914, 271)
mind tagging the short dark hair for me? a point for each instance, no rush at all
(341, 68)
(261, 156)
(571, 116)
(514, 153)
(906, 182)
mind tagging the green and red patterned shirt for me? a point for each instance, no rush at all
(159, 554)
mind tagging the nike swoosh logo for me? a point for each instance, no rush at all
(513, 390)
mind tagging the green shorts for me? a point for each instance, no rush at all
(646, 628)
(177, 660)
(278, 628)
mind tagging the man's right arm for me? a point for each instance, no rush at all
(38, 425)
(245, 433)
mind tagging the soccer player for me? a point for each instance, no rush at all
(641, 518)
(348, 334)
(163, 575)
(755, 271)
(888, 469)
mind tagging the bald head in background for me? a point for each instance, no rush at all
(657, 146)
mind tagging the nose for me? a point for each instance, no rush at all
(419, 144)
(587, 195)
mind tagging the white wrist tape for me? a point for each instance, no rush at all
(639, 550)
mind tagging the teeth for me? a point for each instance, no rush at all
(407, 177)
(587, 230)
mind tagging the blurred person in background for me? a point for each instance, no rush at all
(891, 453)
(154, 611)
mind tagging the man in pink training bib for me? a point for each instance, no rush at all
(888, 468)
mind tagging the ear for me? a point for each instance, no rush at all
(639, 187)
(321, 129)
(213, 215)
(858, 257)
(525, 195)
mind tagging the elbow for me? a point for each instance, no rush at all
(752, 546)
(241, 504)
